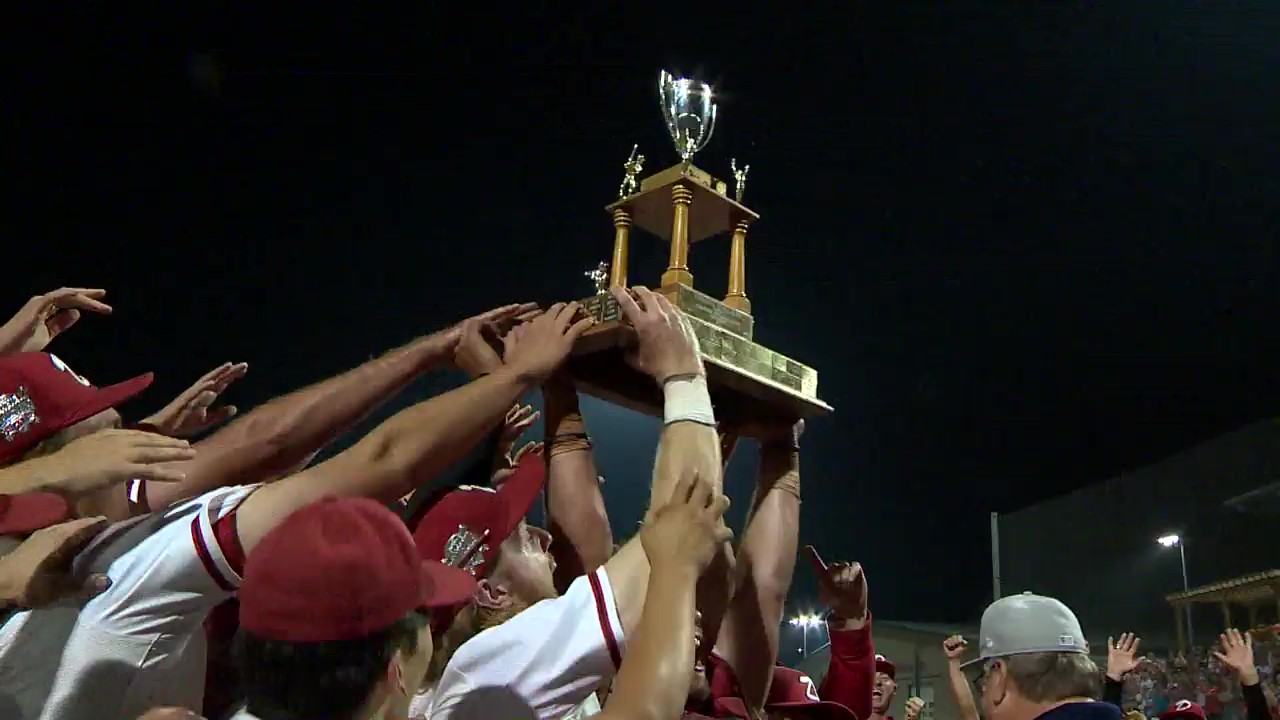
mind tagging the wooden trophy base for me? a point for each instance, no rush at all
(748, 382)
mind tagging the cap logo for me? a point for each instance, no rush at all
(477, 487)
(17, 414)
(1182, 705)
(1066, 641)
(57, 362)
(810, 690)
(465, 550)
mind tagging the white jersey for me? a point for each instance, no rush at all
(544, 663)
(141, 643)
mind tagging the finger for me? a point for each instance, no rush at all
(1110, 642)
(219, 415)
(528, 315)
(158, 473)
(664, 304)
(210, 377)
(716, 509)
(94, 585)
(505, 311)
(79, 298)
(142, 438)
(234, 373)
(682, 490)
(816, 560)
(700, 494)
(627, 304)
(70, 536)
(61, 321)
(153, 455)
(1134, 644)
(580, 327)
(202, 399)
(723, 534)
(566, 315)
(651, 306)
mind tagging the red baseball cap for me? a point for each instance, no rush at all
(341, 569)
(40, 395)
(794, 691)
(884, 666)
(464, 527)
(1184, 709)
(23, 514)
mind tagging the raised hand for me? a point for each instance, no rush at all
(192, 412)
(112, 456)
(666, 344)
(544, 342)
(954, 647)
(36, 573)
(1122, 656)
(913, 707)
(685, 533)
(1237, 654)
(46, 316)
(842, 586)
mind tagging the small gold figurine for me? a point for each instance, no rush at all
(632, 167)
(600, 276)
(739, 178)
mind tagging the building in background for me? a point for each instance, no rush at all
(1095, 548)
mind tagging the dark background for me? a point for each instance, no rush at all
(1027, 245)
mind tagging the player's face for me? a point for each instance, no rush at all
(412, 673)
(525, 564)
(699, 687)
(882, 693)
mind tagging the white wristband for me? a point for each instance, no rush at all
(685, 399)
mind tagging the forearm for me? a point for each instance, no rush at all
(653, 682)
(400, 454)
(962, 692)
(1255, 702)
(582, 539)
(748, 639)
(37, 475)
(279, 436)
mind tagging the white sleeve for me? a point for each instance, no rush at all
(172, 577)
(551, 657)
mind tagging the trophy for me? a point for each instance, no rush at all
(684, 204)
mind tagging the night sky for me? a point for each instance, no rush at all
(1027, 247)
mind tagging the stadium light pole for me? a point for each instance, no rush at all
(1172, 540)
(804, 622)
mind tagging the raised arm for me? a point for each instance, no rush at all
(667, 351)
(748, 638)
(852, 669)
(281, 436)
(961, 689)
(679, 540)
(582, 539)
(420, 441)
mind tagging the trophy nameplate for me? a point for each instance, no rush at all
(684, 204)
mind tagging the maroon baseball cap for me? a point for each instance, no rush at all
(341, 569)
(883, 665)
(23, 514)
(793, 691)
(1184, 709)
(40, 395)
(465, 527)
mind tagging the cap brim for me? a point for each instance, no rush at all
(445, 586)
(823, 709)
(110, 396)
(23, 514)
(520, 491)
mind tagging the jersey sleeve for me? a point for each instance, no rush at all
(173, 574)
(550, 657)
(852, 670)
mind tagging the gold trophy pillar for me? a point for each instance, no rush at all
(737, 295)
(621, 237)
(678, 268)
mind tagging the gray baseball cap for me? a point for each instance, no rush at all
(1028, 623)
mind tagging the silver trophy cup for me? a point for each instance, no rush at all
(689, 108)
